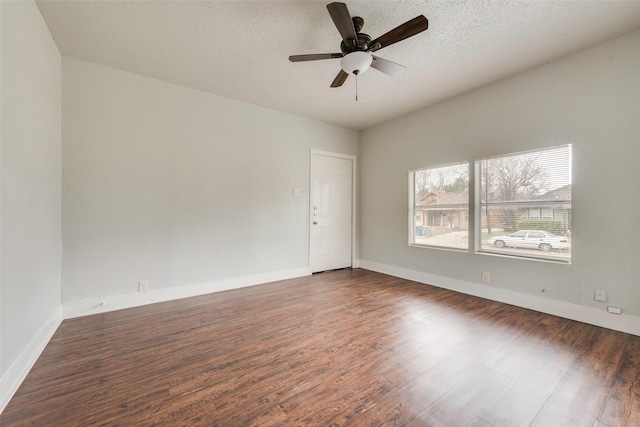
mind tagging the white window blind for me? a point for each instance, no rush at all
(524, 204)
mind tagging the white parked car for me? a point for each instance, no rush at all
(535, 239)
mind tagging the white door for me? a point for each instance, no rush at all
(331, 211)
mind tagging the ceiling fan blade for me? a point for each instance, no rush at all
(404, 31)
(340, 15)
(388, 67)
(314, 57)
(340, 79)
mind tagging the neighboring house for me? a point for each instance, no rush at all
(442, 209)
(450, 210)
(554, 205)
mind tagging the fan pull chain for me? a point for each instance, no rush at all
(357, 87)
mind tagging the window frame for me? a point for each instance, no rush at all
(479, 206)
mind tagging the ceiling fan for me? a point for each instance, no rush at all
(356, 47)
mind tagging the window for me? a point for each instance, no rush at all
(439, 206)
(524, 204)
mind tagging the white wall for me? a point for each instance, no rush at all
(179, 187)
(592, 100)
(30, 191)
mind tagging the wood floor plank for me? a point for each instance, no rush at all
(622, 407)
(343, 348)
(404, 404)
(599, 361)
(575, 402)
(466, 399)
(521, 400)
(480, 422)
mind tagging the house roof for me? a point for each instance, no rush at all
(559, 198)
(443, 198)
(562, 193)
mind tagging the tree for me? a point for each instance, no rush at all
(450, 179)
(421, 181)
(510, 179)
(459, 185)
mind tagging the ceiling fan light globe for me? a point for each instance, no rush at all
(356, 62)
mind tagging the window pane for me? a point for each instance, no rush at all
(440, 205)
(525, 204)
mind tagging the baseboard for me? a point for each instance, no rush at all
(19, 369)
(73, 309)
(623, 323)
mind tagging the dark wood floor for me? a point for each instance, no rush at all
(350, 347)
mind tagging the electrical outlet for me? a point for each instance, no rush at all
(486, 277)
(600, 295)
(614, 310)
(297, 192)
(143, 286)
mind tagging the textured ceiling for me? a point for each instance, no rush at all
(240, 49)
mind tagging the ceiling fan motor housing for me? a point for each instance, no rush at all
(350, 45)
